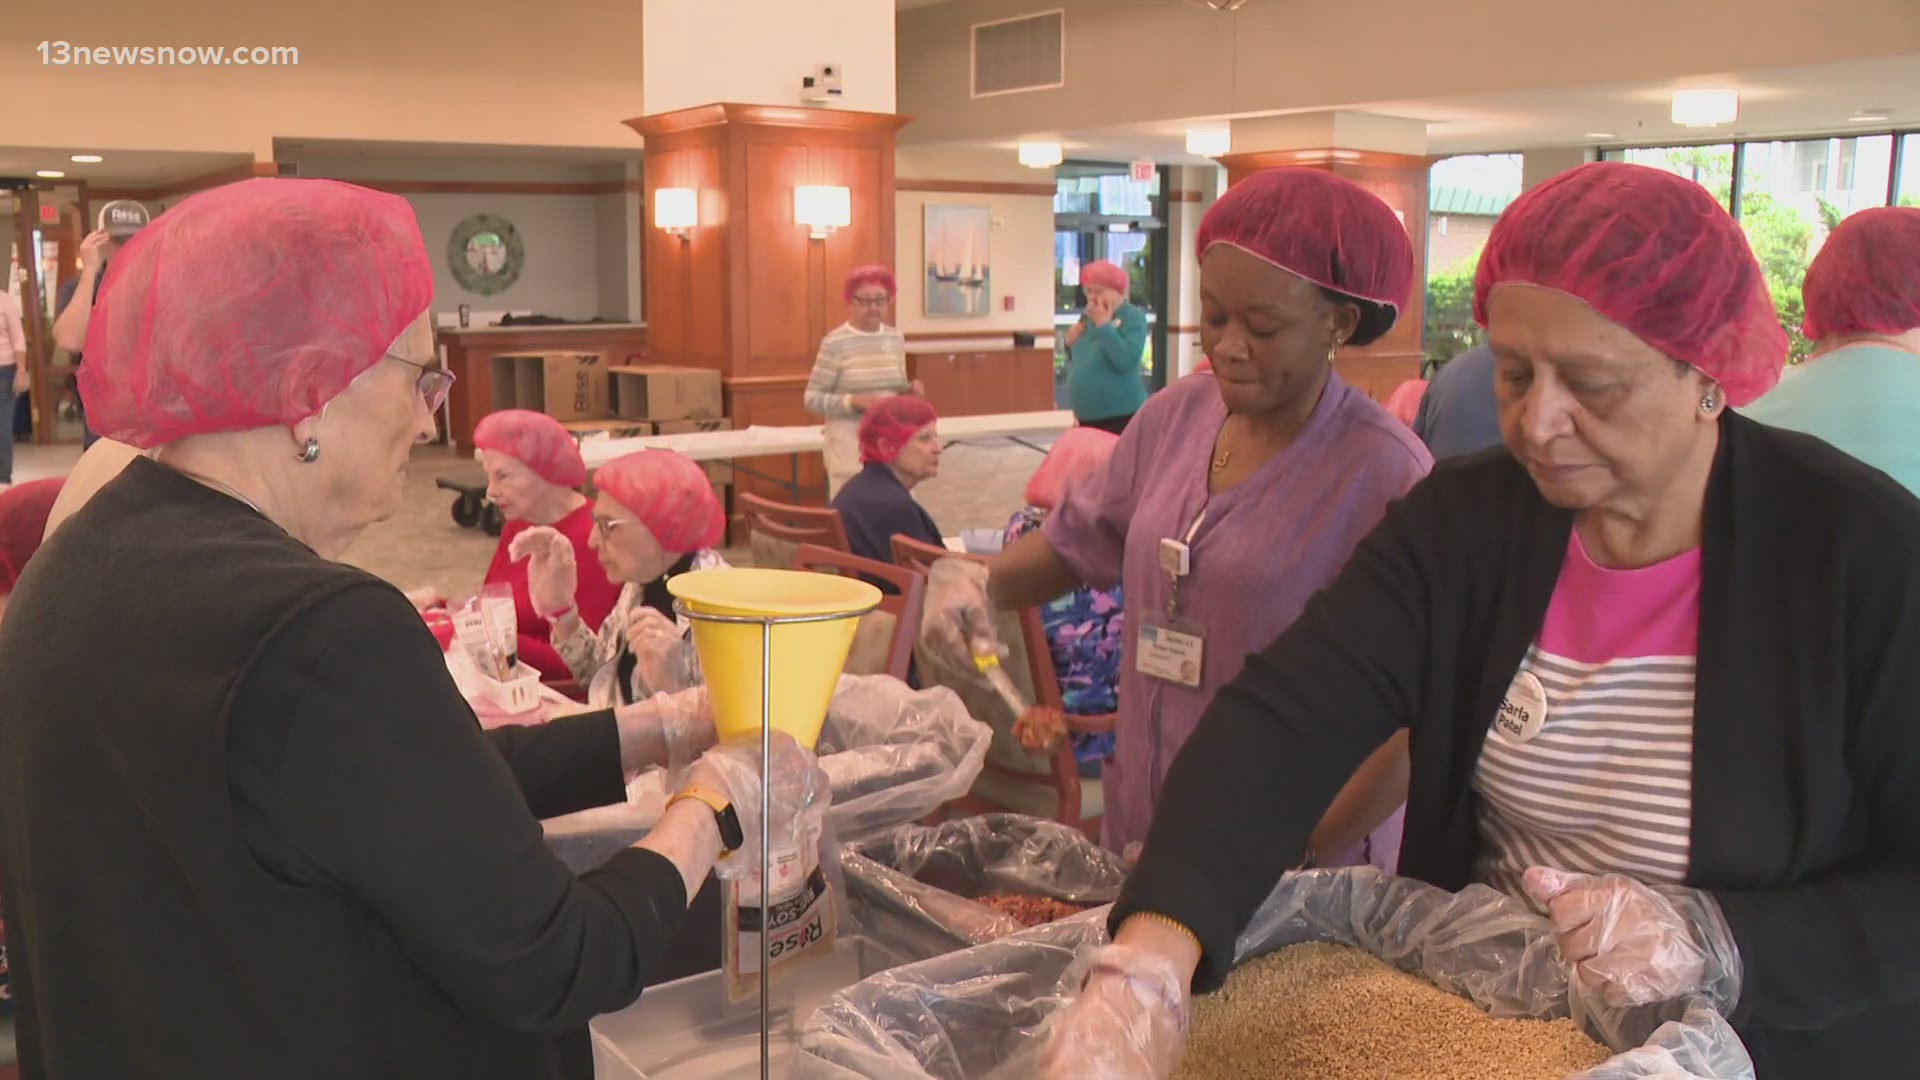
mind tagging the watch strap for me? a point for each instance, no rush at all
(732, 837)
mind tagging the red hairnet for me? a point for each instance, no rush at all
(1104, 272)
(535, 440)
(23, 517)
(1329, 230)
(886, 428)
(250, 305)
(870, 275)
(1078, 452)
(1653, 252)
(1866, 278)
(670, 496)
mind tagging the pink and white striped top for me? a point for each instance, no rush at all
(1604, 781)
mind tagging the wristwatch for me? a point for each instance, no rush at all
(724, 816)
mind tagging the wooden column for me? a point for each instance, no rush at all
(1400, 180)
(748, 292)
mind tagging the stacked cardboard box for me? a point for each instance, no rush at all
(564, 385)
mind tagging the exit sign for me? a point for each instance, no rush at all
(49, 214)
(1141, 171)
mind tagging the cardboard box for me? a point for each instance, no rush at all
(612, 428)
(720, 471)
(660, 392)
(564, 385)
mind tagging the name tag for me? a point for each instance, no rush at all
(1523, 711)
(1172, 650)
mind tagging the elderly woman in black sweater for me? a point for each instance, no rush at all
(1659, 664)
(248, 827)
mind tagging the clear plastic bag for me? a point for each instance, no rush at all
(965, 1015)
(892, 755)
(911, 888)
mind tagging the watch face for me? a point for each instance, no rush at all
(485, 254)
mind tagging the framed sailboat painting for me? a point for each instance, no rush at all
(959, 269)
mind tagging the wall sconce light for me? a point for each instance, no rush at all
(1040, 155)
(676, 209)
(1209, 141)
(1705, 108)
(822, 208)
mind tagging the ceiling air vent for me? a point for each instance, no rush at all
(1019, 54)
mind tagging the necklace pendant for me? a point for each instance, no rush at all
(1220, 460)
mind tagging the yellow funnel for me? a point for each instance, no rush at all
(806, 657)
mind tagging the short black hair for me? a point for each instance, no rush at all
(1375, 318)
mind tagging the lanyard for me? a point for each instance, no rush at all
(1176, 558)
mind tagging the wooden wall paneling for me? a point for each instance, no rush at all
(707, 274)
(780, 310)
(776, 400)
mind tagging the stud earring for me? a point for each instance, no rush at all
(1708, 401)
(311, 452)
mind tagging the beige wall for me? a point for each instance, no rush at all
(459, 71)
(1022, 240)
(1132, 60)
(1183, 265)
(578, 259)
(756, 52)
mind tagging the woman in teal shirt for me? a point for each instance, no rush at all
(1860, 391)
(1104, 386)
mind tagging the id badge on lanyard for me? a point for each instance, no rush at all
(1172, 647)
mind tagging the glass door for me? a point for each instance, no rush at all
(1100, 212)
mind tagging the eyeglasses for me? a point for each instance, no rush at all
(433, 384)
(606, 525)
(873, 301)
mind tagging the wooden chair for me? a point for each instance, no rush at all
(775, 530)
(1015, 778)
(903, 606)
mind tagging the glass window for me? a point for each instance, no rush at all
(1709, 166)
(1464, 196)
(1793, 193)
(1909, 179)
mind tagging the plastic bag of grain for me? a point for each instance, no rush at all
(917, 888)
(976, 1014)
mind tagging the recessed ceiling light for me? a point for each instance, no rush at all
(50, 174)
(1869, 118)
(86, 159)
(1705, 108)
(1599, 134)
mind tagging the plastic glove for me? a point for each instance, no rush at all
(955, 624)
(1628, 943)
(799, 796)
(656, 641)
(1129, 1021)
(670, 730)
(552, 577)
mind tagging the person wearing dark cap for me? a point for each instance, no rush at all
(119, 220)
(1860, 390)
(1657, 666)
(1235, 495)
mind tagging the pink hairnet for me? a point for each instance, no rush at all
(870, 275)
(250, 305)
(670, 496)
(535, 440)
(1078, 452)
(1104, 272)
(886, 428)
(1653, 252)
(23, 517)
(1866, 278)
(1329, 230)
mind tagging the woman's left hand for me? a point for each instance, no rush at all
(22, 379)
(917, 388)
(1628, 943)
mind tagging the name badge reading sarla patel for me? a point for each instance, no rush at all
(1171, 649)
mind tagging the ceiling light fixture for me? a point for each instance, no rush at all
(1705, 108)
(1600, 135)
(86, 159)
(50, 174)
(1040, 155)
(1209, 141)
(1870, 116)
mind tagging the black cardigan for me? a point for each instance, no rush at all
(1806, 785)
(249, 828)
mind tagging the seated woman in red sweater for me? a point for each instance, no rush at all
(534, 472)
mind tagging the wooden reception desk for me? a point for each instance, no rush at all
(470, 353)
